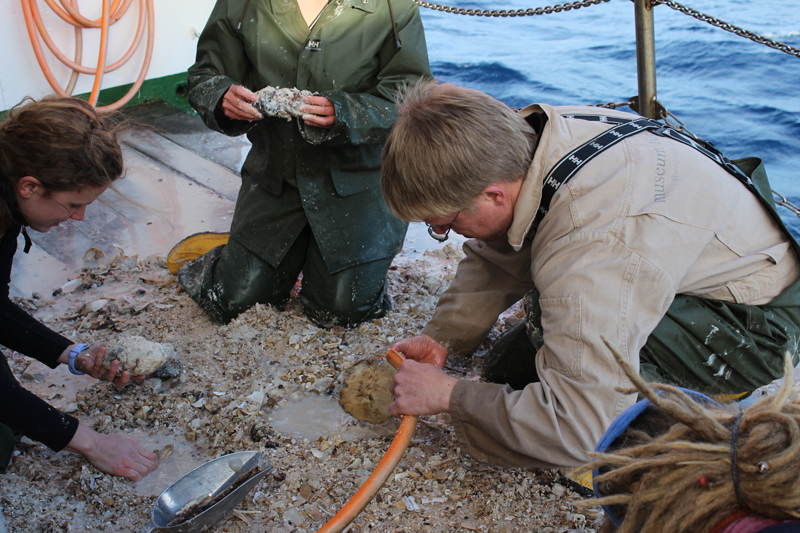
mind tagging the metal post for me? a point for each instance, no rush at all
(645, 58)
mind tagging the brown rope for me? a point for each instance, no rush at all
(682, 479)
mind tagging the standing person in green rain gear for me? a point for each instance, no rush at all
(606, 225)
(310, 198)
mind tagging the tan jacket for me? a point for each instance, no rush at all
(645, 220)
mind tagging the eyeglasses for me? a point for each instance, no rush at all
(442, 237)
(70, 210)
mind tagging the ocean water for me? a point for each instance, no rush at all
(742, 96)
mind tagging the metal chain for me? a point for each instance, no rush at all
(614, 105)
(782, 201)
(728, 27)
(558, 8)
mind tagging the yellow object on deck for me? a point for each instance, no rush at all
(728, 398)
(193, 247)
(583, 480)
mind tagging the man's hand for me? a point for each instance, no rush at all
(115, 454)
(319, 112)
(420, 389)
(423, 349)
(237, 104)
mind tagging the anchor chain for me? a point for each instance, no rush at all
(558, 8)
(728, 27)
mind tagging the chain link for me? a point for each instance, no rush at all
(558, 8)
(782, 201)
(614, 105)
(728, 27)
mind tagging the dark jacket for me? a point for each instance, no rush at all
(19, 331)
(350, 57)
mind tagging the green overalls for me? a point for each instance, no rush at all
(310, 198)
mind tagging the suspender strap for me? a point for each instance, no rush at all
(624, 128)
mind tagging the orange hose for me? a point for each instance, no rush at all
(37, 48)
(382, 472)
(101, 56)
(72, 16)
(151, 31)
(111, 14)
(75, 65)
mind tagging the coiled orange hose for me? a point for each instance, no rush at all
(382, 472)
(112, 12)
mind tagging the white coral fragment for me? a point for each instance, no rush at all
(137, 355)
(281, 102)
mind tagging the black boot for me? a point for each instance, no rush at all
(196, 276)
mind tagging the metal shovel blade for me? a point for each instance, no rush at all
(207, 481)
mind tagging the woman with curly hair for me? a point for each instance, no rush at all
(56, 157)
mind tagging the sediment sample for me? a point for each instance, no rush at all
(137, 355)
(281, 102)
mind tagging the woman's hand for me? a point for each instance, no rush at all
(237, 104)
(90, 362)
(114, 454)
(423, 349)
(319, 112)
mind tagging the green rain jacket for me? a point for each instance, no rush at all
(351, 57)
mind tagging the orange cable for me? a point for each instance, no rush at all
(382, 472)
(151, 31)
(75, 65)
(111, 13)
(101, 56)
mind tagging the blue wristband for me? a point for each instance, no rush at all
(73, 353)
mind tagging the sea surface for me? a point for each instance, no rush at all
(742, 96)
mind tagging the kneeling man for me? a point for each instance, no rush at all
(605, 224)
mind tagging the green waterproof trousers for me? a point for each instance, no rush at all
(745, 350)
(230, 279)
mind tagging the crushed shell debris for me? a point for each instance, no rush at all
(232, 379)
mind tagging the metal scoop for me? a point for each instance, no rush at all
(206, 482)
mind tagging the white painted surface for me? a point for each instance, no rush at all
(177, 25)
